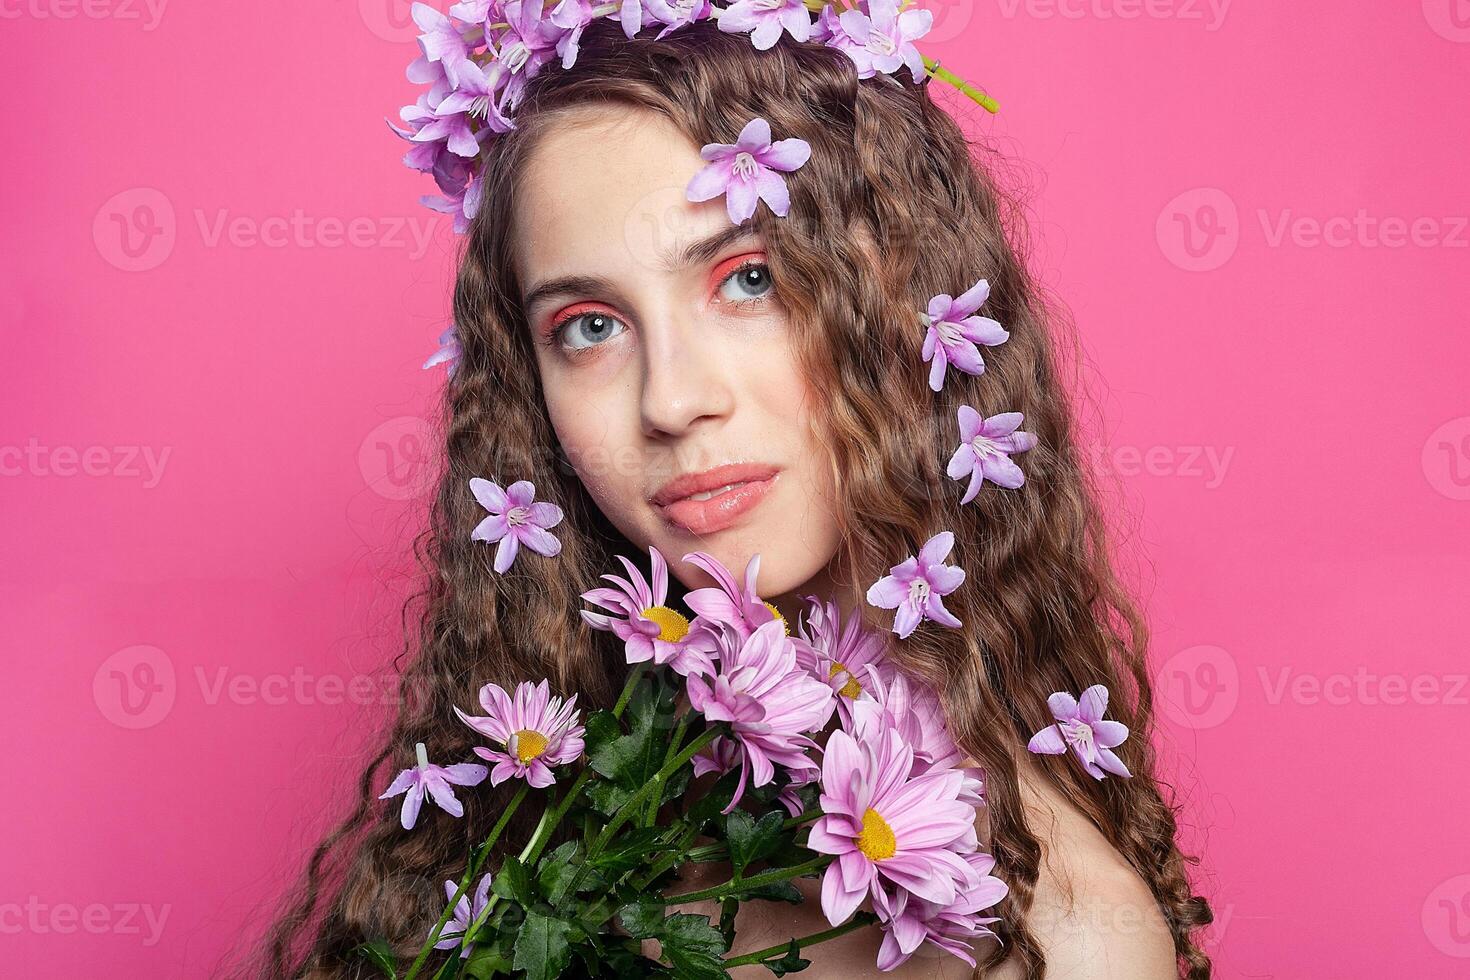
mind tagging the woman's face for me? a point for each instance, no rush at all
(665, 353)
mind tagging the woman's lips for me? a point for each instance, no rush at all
(719, 511)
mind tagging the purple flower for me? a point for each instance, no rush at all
(465, 913)
(881, 823)
(728, 603)
(477, 95)
(536, 731)
(461, 198)
(425, 154)
(1080, 725)
(528, 42)
(677, 14)
(448, 352)
(572, 16)
(650, 630)
(914, 586)
(441, 41)
(953, 332)
(883, 38)
(515, 519)
(827, 29)
(769, 701)
(435, 780)
(475, 12)
(982, 453)
(746, 170)
(765, 19)
(633, 16)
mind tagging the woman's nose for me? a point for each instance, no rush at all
(684, 380)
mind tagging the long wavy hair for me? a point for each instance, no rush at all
(894, 206)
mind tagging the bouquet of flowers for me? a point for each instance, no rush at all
(826, 761)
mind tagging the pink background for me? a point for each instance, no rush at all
(193, 650)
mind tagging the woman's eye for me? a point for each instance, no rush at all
(588, 330)
(749, 282)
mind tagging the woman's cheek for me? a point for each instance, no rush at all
(590, 430)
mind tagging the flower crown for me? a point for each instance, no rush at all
(477, 59)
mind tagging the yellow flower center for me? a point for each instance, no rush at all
(852, 688)
(672, 627)
(785, 626)
(529, 744)
(876, 840)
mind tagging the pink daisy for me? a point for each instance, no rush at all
(840, 654)
(908, 921)
(885, 826)
(728, 603)
(650, 630)
(769, 701)
(535, 731)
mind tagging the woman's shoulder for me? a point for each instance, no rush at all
(1091, 913)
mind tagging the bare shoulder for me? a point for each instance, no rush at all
(1093, 916)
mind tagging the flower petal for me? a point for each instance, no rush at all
(1048, 741)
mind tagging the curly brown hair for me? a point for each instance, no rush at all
(895, 205)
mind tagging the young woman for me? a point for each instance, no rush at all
(617, 338)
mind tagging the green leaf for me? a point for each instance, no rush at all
(380, 954)
(694, 947)
(450, 969)
(560, 868)
(750, 839)
(542, 949)
(513, 881)
(631, 760)
(487, 962)
(631, 849)
(677, 783)
(602, 730)
(776, 891)
(643, 918)
(790, 963)
(607, 798)
(708, 806)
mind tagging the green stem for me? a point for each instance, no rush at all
(857, 922)
(729, 908)
(985, 101)
(476, 861)
(628, 809)
(634, 676)
(538, 840)
(738, 885)
(673, 747)
(667, 861)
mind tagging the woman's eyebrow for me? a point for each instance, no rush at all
(692, 253)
